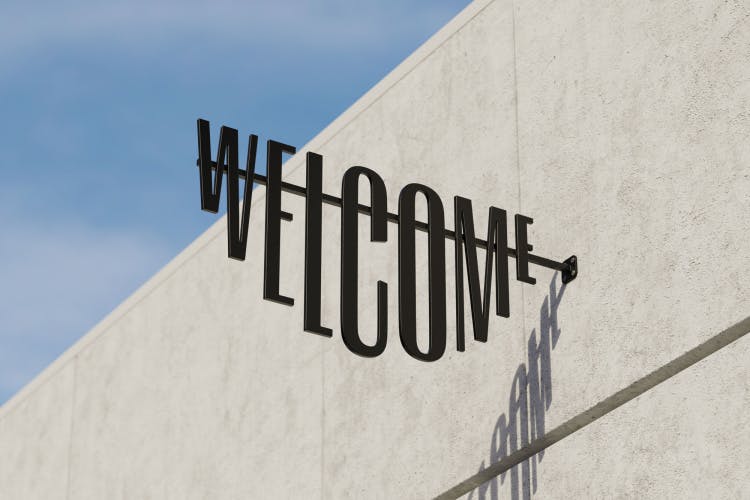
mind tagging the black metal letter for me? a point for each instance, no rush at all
(313, 230)
(349, 259)
(274, 215)
(211, 185)
(236, 238)
(227, 156)
(497, 243)
(522, 249)
(407, 287)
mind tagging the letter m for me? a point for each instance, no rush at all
(497, 244)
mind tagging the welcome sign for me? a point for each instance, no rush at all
(497, 251)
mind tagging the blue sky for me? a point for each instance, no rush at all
(99, 100)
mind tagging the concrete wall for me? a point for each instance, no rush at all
(620, 127)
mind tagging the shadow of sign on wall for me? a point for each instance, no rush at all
(529, 399)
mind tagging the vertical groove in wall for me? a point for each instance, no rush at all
(515, 98)
(72, 422)
(322, 420)
(518, 145)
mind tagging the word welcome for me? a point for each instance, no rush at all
(465, 248)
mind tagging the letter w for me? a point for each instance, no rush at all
(227, 158)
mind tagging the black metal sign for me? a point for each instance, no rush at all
(496, 247)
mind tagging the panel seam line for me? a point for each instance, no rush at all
(71, 427)
(604, 407)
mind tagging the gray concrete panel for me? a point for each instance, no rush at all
(203, 388)
(633, 149)
(35, 441)
(686, 438)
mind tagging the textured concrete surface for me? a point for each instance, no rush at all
(620, 128)
(35, 440)
(686, 438)
(633, 120)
